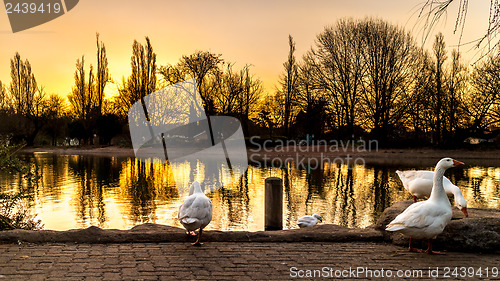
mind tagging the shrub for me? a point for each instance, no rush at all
(14, 213)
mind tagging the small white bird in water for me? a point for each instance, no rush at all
(307, 221)
(196, 211)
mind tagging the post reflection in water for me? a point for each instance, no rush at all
(120, 192)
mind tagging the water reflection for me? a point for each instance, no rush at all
(117, 192)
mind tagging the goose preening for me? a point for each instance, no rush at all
(307, 221)
(427, 219)
(419, 184)
(196, 211)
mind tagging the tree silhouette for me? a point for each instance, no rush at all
(456, 80)
(483, 102)
(439, 50)
(83, 99)
(288, 90)
(433, 10)
(28, 99)
(23, 86)
(141, 82)
(4, 100)
(247, 100)
(338, 71)
(56, 118)
(102, 74)
(201, 66)
(365, 77)
(388, 52)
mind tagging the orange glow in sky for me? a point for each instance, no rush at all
(244, 32)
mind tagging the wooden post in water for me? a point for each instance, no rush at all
(274, 204)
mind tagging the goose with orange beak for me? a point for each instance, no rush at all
(427, 219)
(419, 185)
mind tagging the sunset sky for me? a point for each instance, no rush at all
(250, 32)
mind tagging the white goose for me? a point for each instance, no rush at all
(427, 219)
(419, 184)
(307, 221)
(196, 211)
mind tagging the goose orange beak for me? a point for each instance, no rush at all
(464, 210)
(457, 163)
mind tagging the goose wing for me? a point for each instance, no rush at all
(419, 215)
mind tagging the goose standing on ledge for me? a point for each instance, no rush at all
(307, 221)
(427, 219)
(196, 211)
(419, 184)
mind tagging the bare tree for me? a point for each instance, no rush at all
(310, 98)
(23, 86)
(439, 50)
(270, 113)
(419, 113)
(247, 100)
(307, 86)
(483, 102)
(102, 74)
(199, 66)
(456, 83)
(388, 52)
(83, 99)
(55, 115)
(435, 110)
(340, 69)
(288, 83)
(4, 99)
(226, 84)
(433, 10)
(141, 82)
(28, 99)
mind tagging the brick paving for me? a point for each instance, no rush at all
(230, 261)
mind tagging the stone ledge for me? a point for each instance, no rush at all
(479, 233)
(161, 233)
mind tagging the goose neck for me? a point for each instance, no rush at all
(198, 190)
(438, 192)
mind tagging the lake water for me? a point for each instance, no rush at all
(77, 191)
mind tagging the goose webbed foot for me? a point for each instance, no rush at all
(198, 243)
(431, 252)
(415, 250)
(411, 249)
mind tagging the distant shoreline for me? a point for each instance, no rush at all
(382, 156)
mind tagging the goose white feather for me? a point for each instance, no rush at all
(419, 184)
(307, 221)
(427, 219)
(196, 211)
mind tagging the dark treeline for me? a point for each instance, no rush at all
(369, 78)
(361, 78)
